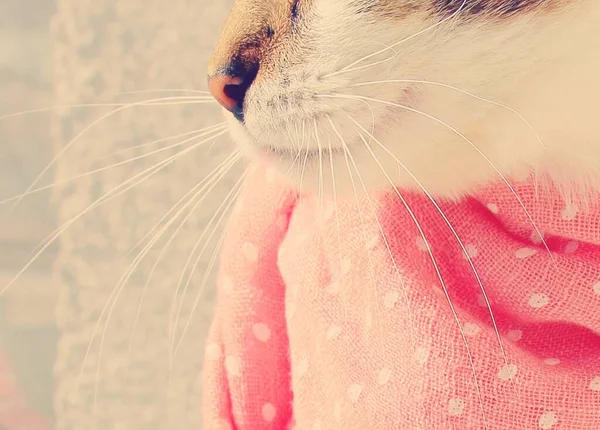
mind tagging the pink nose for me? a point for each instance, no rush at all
(223, 89)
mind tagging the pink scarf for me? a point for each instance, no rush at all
(317, 326)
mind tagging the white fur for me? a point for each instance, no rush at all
(544, 66)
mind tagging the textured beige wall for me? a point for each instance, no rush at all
(88, 52)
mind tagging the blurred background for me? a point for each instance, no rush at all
(105, 306)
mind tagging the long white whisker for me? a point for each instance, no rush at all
(458, 239)
(86, 105)
(472, 145)
(120, 163)
(231, 158)
(348, 154)
(65, 148)
(114, 192)
(365, 66)
(227, 164)
(114, 296)
(370, 262)
(210, 264)
(440, 84)
(406, 39)
(222, 209)
(439, 275)
(125, 278)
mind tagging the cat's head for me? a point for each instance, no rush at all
(443, 94)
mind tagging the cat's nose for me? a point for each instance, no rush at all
(229, 88)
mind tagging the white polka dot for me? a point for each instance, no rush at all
(269, 412)
(548, 420)
(345, 265)
(536, 238)
(514, 335)
(373, 242)
(384, 376)
(595, 384)
(421, 355)
(493, 208)
(523, 253)
(354, 392)
(551, 361)
(232, 365)
(212, 352)
(226, 284)
(571, 247)
(333, 288)
(390, 299)
(421, 243)
(470, 251)
(224, 425)
(250, 252)
(261, 331)
(597, 288)
(569, 213)
(538, 301)
(508, 372)
(456, 407)
(301, 367)
(471, 329)
(333, 332)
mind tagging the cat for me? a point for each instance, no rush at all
(470, 125)
(300, 61)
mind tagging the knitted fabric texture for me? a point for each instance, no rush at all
(339, 314)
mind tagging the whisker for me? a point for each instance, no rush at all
(365, 66)
(164, 139)
(114, 192)
(131, 269)
(370, 262)
(472, 145)
(164, 90)
(120, 163)
(458, 240)
(89, 105)
(406, 39)
(231, 158)
(348, 154)
(211, 262)
(226, 165)
(65, 148)
(451, 87)
(224, 207)
(439, 275)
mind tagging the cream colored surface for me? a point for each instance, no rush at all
(88, 52)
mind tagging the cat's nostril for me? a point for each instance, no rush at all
(229, 87)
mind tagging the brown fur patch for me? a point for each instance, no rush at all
(250, 29)
(499, 8)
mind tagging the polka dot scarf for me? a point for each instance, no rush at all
(387, 312)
